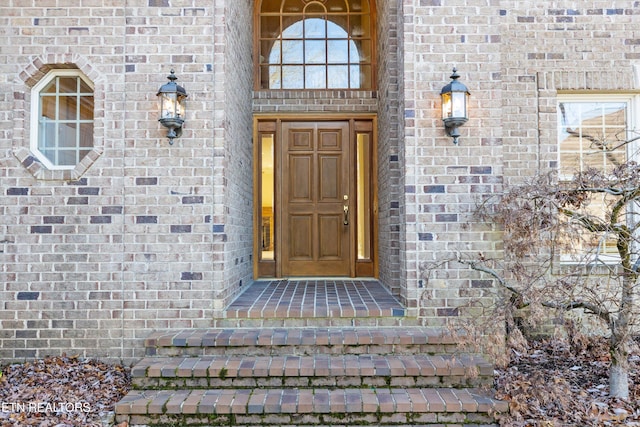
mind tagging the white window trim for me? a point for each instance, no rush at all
(633, 152)
(35, 111)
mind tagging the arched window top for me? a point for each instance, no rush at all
(315, 44)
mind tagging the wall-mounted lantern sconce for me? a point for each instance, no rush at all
(172, 97)
(455, 98)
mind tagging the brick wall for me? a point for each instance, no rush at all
(233, 150)
(145, 235)
(442, 181)
(390, 186)
(515, 57)
(551, 48)
(63, 253)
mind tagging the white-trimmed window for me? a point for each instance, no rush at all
(592, 133)
(62, 113)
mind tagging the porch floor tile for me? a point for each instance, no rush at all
(315, 298)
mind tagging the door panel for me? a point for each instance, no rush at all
(301, 239)
(315, 181)
(330, 247)
(300, 177)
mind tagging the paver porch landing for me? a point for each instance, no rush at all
(316, 299)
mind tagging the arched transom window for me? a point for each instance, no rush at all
(315, 44)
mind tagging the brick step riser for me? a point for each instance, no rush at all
(316, 420)
(318, 322)
(303, 382)
(257, 350)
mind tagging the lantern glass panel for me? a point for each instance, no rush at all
(459, 104)
(181, 106)
(169, 106)
(446, 105)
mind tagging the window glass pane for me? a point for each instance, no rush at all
(50, 155)
(267, 196)
(51, 87)
(314, 8)
(86, 135)
(570, 163)
(335, 6)
(47, 135)
(68, 108)
(336, 29)
(315, 28)
(315, 52)
(361, 76)
(292, 77)
(614, 159)
(292, 6)
(359, 6)
(67, 158)
(67, 84)
(271, 77)
(361, 51)
(48, 107)
(294, 31)
(359, 26)
(593, 159)
(569, 115)
(86, 108)
(338, 51)
(270, 26)
(270, 52)
(363, 171)
(614, 114)
(584, 242)
(292, 51)
(316, 77)
(275, 57)
(85, 88)
(67, 135)
(338, 76)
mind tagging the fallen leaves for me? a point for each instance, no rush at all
(547, 385)
(60, 392)
(553, 385)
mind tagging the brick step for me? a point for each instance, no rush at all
(313, 370)
(300, 341)
(235, 321)
(309, 406)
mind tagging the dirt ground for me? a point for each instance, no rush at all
(552, 384)
(61, 392)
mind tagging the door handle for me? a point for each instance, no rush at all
(345, 209)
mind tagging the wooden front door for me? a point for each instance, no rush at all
(315, 199)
